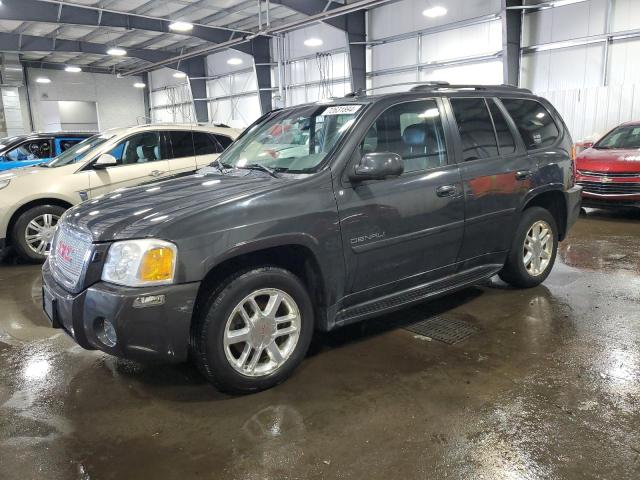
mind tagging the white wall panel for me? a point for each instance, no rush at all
(623, 64)
(474, 40)
(406, 16)
(118, 102)
(482, 73)
(217, 62)
(12, 111)
(395, 54)
(625, 15)
(332, 38)
(378, 82)
(565, 68)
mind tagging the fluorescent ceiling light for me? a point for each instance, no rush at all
(180, 26)
(313, 42)
(234, 61)
(179, 75)
(116, 52)
(43, 80)
(139, 85)
(71, 69)
(434, 12)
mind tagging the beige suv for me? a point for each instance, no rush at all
(33, 199)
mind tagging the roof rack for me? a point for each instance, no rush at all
(445, 87)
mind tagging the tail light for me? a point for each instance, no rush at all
(573, 165)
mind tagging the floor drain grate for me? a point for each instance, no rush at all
(447, 329)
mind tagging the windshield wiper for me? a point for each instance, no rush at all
(262, 168)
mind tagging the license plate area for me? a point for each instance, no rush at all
(49, 306)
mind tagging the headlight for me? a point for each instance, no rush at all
(4, 183)
(139, 263)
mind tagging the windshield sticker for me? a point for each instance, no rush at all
(342, 110)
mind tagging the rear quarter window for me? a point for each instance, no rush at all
(534, 122)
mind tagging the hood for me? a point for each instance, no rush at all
(618, 160)
(16, 174)
(146, 211)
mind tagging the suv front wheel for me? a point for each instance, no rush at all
(253, 330)
(533, 251)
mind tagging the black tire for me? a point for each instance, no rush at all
(514, 271)
(210, 320)
(18, 240)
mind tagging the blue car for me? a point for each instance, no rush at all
(27, 150)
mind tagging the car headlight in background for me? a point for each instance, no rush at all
(139, 263)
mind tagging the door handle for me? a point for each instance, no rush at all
(156, 173)
(446, 190)
(523, 174)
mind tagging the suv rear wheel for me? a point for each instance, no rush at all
(32, 233)
(533, 251)
(253, 330)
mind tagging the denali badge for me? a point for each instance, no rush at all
(366, 238)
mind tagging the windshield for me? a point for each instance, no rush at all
(625, 137)
(79, 151)
(7, 141)
(295, 140)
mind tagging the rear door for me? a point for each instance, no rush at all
(402, 231)
(182, 159)
(141, 158)
(496, 173)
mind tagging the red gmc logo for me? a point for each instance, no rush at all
(64, 252)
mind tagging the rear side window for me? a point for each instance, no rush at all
(223, 140)
(181, 143)
(506, 142)
(204, 144)
(534, 122)
(476, 129)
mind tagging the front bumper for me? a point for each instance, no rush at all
(150, 333)
(573, 200)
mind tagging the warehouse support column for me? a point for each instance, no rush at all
(355, 27)
(262, 64)
(511, 33)
(196, 69)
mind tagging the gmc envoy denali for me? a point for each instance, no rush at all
(318, 216)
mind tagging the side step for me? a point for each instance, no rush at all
(398, 300)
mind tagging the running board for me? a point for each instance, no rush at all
(396, 301)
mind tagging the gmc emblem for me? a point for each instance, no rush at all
(64, 252)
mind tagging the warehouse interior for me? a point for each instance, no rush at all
(544, 384)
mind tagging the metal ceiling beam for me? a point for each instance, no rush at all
(49, 11)
(314, 7)
(10, 42)
(61, 66)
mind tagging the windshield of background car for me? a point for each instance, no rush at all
(79, 151)
(622, 137)
(295, 140)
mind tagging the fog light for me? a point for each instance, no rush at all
(107, 333)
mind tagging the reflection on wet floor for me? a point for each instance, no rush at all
(549, 388)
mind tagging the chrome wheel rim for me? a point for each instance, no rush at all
(538, 247)
(262, 332)
(39, 233)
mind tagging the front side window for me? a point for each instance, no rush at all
(32, 150)
(293, 140)
(534, 122)
(205, 144)
(140, 148)
(414, 131)
(624, 137)
(181, 143)
(476, 129)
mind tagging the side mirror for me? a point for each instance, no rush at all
(378, 166)
(105, 160)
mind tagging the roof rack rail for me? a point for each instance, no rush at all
(444, 86)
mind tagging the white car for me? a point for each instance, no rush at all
(33, 199)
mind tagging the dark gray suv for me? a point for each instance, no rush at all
(318, 216)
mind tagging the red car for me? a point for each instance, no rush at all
(609, 171)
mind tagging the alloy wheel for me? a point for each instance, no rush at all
(537, 248)
(262, 332)
(39, 233)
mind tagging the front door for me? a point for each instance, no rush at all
(496, 173)
(140, 159)
(402, 231)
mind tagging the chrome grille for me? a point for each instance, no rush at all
(70, 253)
(589, 173)
(611, 188)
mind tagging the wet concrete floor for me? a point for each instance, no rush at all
(548, 389)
